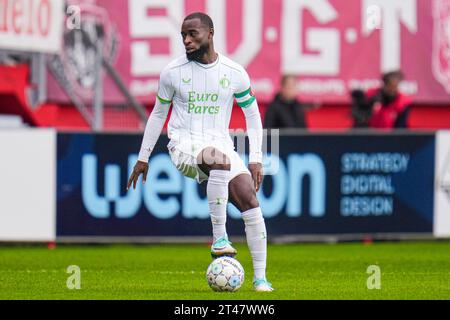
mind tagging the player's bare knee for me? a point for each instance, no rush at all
(250, 202)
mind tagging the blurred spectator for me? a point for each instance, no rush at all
(384, 107)
(286, 111)
(361, 109)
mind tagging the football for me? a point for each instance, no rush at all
(225, 274)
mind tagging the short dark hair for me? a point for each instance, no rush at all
(286, 77)
(204, 18)
(388, 76)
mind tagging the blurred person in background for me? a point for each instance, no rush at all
(285, 110)
(383, 108)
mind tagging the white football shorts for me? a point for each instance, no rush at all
(184, 157)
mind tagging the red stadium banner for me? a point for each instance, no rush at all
(333, 46)
(31, 25)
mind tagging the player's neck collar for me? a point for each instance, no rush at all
(209, 65)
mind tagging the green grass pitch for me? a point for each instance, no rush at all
(409, 270)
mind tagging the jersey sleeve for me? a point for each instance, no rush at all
(165, 87)
(243, 92)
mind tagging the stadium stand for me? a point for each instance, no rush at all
(14, 84)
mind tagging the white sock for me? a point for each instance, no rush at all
(217, 194)
(255, 229)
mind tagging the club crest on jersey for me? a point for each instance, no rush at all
(186, 81)
(224, 82)
(441, 42)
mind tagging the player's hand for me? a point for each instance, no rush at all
(257, 174)
(139, 167)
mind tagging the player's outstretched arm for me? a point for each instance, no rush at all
(247, 101)
(152, 132)
(255, 133)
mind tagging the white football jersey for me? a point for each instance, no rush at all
(202, 97)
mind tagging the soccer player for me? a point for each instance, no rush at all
(201, 86)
